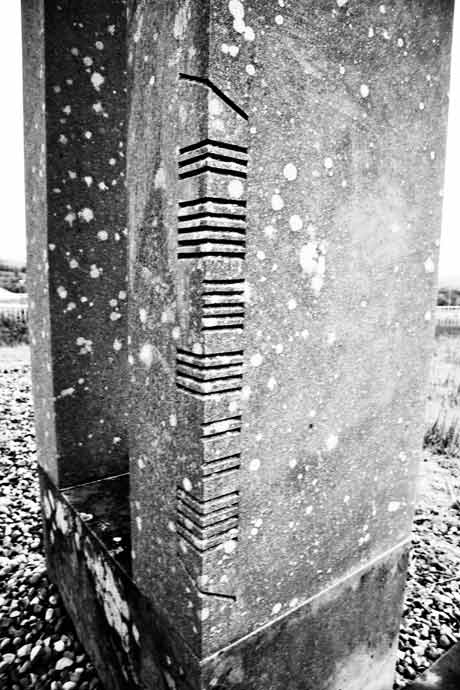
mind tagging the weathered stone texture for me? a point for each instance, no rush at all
(77, 213)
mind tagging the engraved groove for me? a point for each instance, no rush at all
(213, 228)
(207, 82)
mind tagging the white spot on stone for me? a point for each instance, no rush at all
(143, 315)
(94, 271)
(86, 214)
(292, 304)
(251, 70)
(364, 90)
(62, 292)
(290, 171)
(277, 202)
(97, 80)
(277, 608)
(70, 218)
(103, 235)
(328, 163)
(271, 383)
(331, 442)
(279, 19)
(229, 546)
(256, 359)
(246, 393)
(429, 265)
(172, 420)
(235, 189)
(393, 506)
(187, 484)
(146, 355)
(295, 223)
(254, 465)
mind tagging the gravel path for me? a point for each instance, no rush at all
(38, 646)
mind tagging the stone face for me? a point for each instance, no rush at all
(76, 93)
(298, 149)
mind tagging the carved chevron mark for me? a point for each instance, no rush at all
(213, 156)
(206, 375)
(207, 524)
(223, 96)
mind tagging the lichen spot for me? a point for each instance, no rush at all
(277, 608)
(172, 420)
(290, 172)
(364, 90)
(97, 80)
(292, 304)
(103, 235)
(187, 484)
(62, 292)
(277, 202)
(235, 189)
(393, 506)
(146, 355)
(331, 442)
(254, 465)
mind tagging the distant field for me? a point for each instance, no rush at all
(14, 356)
(443, 403)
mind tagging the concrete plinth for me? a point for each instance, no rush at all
(284, 167)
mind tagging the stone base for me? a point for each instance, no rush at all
(343, 639)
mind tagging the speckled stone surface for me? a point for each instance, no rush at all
(291, 166)
(75, 126)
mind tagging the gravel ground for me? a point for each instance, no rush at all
(431, 617)
(38, 645)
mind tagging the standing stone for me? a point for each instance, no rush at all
(284, 219)
(284, 172)
(75, 115)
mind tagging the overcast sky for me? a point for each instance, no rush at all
(12, 227)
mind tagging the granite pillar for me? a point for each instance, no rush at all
(284, 219)
(284, 170)
(75, 124)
